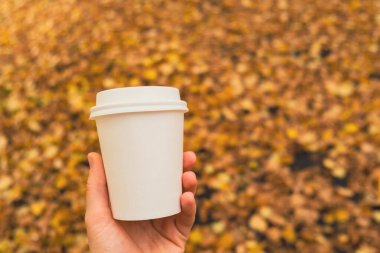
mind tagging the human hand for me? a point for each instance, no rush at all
(167, 235)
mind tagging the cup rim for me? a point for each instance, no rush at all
(168, 99)
(110, 109)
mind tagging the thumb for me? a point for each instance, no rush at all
(97, 202)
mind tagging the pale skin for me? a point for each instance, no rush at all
(168, 234)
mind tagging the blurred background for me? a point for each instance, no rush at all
(284, 101)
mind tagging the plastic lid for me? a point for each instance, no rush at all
(137, 99)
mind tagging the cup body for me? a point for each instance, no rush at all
(142, 154)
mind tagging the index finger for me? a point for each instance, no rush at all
(189, 159)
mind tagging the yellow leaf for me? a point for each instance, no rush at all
(340, 149)
(147, 62)
(229, 114)
(13, 102)
(4, 38)
(329, 218)
(173, 58)
(340, 89)
(339, 172)
(58, 221)
(328, 163)
(34, 125)
(50, 151)
(242, 68)
(253, 165)
(134, 81)
(292, 133)
(366, 249)
(315, 48)
(327, 135)
(246, 3)
(289, 234)
(376, 216)
(225, 241)
(166, 68)
(5, 182)
(196, 236)
(254, 247)
(266, 212)
(61, 181)
(343, 238)
(109, 83)
(355, 4)
(38, 207)
(267, 86)
(15, 193)
(257, 223)
(3, 142)
(237, 85)
(282, 4)
(150, 74)
(342, 215)
(373, 48)
(209, 168)
(274, 160)
(246, 104)
(75, 97)
(280, 45)
(218, 227)
(351, 128)
(5, 245)
(307, 138)
(221, 181)
(374, 129)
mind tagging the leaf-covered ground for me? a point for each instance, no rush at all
(284, 101)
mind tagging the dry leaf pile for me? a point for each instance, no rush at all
(284, 101)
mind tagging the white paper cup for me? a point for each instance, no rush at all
(141, 139)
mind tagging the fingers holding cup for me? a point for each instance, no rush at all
(189, 182)
(189, 159)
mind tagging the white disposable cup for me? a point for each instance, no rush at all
(140, 132)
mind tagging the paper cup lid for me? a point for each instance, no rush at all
(137, 99)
